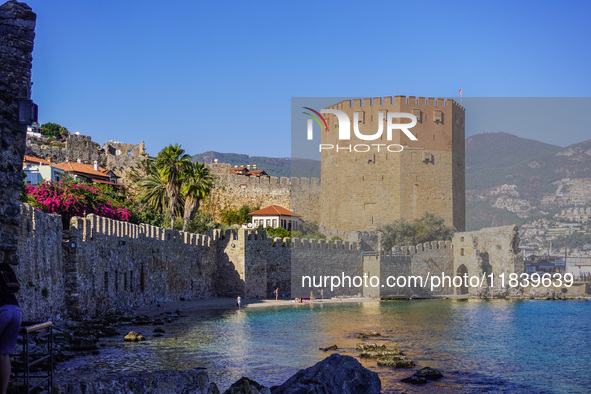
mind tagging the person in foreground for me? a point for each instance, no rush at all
(10, 322)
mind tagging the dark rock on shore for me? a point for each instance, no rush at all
(331, 347)
(247, 386)
(429, 373)
(423, 376)
(141, 320)
(336, 374)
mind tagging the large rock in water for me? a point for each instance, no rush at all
(247, 386)
(334, 375)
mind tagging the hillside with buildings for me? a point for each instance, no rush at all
(78, 154)
(509, 178)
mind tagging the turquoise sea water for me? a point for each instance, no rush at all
(480, 346)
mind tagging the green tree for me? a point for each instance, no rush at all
(404, 233)
(238, 216)
(152, 185)
(309, 230)
(171, 164)
(197, 183)
(54, 130)
(202, 222)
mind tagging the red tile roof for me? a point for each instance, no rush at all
(87, 169)
(273, 210)
(258, 173)
(33, 159)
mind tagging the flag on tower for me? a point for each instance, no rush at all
(460, 91)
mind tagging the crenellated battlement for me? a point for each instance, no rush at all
(93, 227)
(426, 102)
(314, 243)
(32, 219)
(254, 234)
(419, 248)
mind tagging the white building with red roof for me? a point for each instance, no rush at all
(276, 216)
(38, 170)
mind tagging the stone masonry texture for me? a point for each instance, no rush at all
(17, 32)
(363, 190)
(232, 191)
(115, 156)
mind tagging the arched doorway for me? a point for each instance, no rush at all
(462, 270)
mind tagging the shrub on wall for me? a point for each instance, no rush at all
(70, 199)
(238, 216)
(404, 233)
(277, 232)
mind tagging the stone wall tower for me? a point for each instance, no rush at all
(17, 32)
(363, 190)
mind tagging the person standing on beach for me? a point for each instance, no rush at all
(238, 300)
(276, 293)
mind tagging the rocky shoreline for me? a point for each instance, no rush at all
(335, 374)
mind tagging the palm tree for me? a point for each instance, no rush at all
(197, 184)
(171, 164)
(152, 185)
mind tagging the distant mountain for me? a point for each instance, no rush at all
(274, 166)
(499, 158)
(508, 178)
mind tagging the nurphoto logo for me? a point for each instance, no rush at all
(392, 120)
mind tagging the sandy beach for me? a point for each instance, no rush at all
(230, 303)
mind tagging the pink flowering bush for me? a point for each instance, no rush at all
(74, 199)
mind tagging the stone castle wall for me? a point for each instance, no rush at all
(489, 250)
(17, 32)
(122, 158)
(426, 260)
(101, 265)
(41, 270)
(232, 191)
(320, 258)
(363, 190)
(116, 156)
(120, 266)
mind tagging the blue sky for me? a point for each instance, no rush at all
(220, 75)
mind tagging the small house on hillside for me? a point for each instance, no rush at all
(276, 216)
(89, 173)
(247, 171)
(38, 170)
